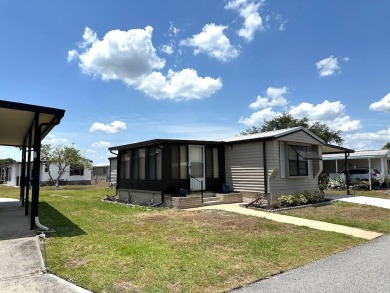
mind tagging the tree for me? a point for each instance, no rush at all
(64, 158)
(7, 161)
(386, 146)
(286, 120)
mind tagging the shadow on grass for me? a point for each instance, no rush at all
(52, 218)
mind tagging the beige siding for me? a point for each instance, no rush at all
(301, 137)
(244, 167)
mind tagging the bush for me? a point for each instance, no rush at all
(306, 197)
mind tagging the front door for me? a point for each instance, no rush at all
(196, 167)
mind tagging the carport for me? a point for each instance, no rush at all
(329, 149)
(25, 126)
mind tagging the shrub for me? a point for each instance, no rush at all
(305, 197)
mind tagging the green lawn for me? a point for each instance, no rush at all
(106, 247)
(382, 193)
(354, 215)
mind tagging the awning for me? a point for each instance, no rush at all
(306, 152)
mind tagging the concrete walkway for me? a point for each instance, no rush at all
(237, 208)
(21, 266)
(372, 201)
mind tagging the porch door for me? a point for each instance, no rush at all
(196, 167)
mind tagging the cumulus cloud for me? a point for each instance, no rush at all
(328, 66)
(381, 105)
(274, 97)
(181, 85)
(130, 56)
(213, 42)
(367, 140)
(248, 10)
(113, 127)
(258, 118)
(330, 113)
(324, 111)
(101, 144)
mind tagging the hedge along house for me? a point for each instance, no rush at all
(277, 162)
(25, 126)
(148, 170)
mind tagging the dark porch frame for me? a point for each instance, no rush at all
(27, 126)
(166, 184)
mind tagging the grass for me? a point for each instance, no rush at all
(382, 193)
(106, 247)
(354, 215)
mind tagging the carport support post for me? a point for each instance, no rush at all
(23, 174)
(28, 173)
(346, 172)
(36, 171)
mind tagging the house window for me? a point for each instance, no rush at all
(297, 166)
(127, 164)
(141, 163)
(212, 163)
(76, 171)
(179, 161)
(47, 168)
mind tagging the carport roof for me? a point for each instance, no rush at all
(16, 120)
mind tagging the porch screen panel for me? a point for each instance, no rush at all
(151, 163)
(183, 162)
(175, 162)
(158, 164)
(134, 164)
(215, 163)
(209, 163)
(142, 162)
(127, 164)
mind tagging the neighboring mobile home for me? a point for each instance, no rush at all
(374, 159)
(73, 176)
(277, 162)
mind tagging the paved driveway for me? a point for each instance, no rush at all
(372, 201)
(361, 269)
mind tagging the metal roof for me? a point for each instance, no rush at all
(359, 155)
(16, 120)
(272, 135)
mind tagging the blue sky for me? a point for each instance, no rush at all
(127, 71)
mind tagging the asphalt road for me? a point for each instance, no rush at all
(365, 268)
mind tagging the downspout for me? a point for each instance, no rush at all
(266, 187)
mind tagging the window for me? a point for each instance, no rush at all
(212, 163)
(141, 164)
(47, 168)
(151, 163)
(297, 165)
(127, 164)
(76, 171)
(179, 162)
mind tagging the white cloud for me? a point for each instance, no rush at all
(381, 105)
(167, 49)
(275, 97)
(129, 56)
(247, 9)
(182, 85)
(53, 140)
(330, 113)
(113, 127)
(213, 42)
(101, 144)
(367, 140)
(328, 66)
(72, 54)
(120, 55)
(259, 117)
(324, 111)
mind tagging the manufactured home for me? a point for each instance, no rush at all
(277, 162)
